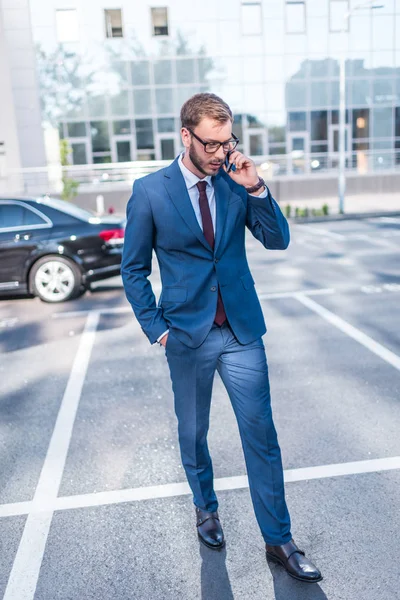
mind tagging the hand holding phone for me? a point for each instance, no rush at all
(229, 166)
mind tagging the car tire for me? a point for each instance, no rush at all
(55, 279)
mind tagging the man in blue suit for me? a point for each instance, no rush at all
(194, 214)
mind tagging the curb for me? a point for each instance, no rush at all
(344, 217)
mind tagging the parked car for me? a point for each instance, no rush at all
(54, 249)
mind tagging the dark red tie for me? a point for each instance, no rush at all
(208, 230)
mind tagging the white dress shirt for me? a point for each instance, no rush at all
(191, 181)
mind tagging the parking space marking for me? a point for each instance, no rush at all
(363, 339)
(324, 232)
(168, 490)
(25, 571)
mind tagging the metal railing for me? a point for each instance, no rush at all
(108, 177)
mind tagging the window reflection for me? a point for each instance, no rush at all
(361, 123)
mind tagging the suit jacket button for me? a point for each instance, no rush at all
(213, 288)
(215, 260)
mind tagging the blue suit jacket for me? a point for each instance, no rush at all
(160, 216)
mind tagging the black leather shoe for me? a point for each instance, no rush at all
(209, 529)
(294, 561)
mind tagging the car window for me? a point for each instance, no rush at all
(16, 215)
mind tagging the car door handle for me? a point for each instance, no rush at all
(22, 236)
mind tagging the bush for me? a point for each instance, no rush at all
(70, 186)
(288, 210)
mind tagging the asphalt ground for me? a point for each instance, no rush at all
(93, 499)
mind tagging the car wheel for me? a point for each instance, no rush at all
(55, 279)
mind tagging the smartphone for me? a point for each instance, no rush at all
(229, 167)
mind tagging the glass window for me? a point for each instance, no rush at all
(140, 72)
(121, 68)
(121, 127)
(76, 129)
(382, 122)
(277, 149)
(142, 102)
(251, 18)
(320, 68)
(397, 121)
(79, 154)
(159, 20)
(100, 137)
(319, 125)
(120, 104)
(67, 25)
(113, 22)
(318, 148)
(61, 131)
(382, 91)
(166, 125)
(256, 144)
(276, 133)
(185, 72)
(295, 17)
(296, 94)
(162, 72)
(360, 92)
(123, 151)
(164, 100)
(319, 94)
(183, 93)
(297, 121)
(335, 117)
(144, 134)
(97, 106)
(101, 158)
(337, 11)
(146, 156)
(361, 123)
(205, 66)
(382, 31)
(237, 127)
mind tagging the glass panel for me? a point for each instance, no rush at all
(297, 121)
(397, 122)
(184, 93)
(121, 127)
(296, 94)
(120, 104)
(166, 125)
(335, 117)
(382, 122)
(31, 218)
(11, 215)
(140, 72)
(162, 72)
(337, 11)
(97, 106)
(319, 93)
(298, 143)
(164, 100)
(113, 22)
(67, 25)
(295, 17)
(320, 68)
(319, 125)
(142, 102)
(237, 127)
(205, 66)
(382, 31)
(76, 129)
(361, 123)
(277, 149)
(256, 144)
(159, 19)
(185, 72)
(382, 91)
(360, 92)
(102, 159)
(123, 151)
(254, 122)
(100, 138)
(121, 68)
(144, 134)
(146, 156)
(167, 149)
(61, 131)
(336, 140)
(251, 19)
(319, 148)
(79, 154)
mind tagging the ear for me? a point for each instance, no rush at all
(186, 138)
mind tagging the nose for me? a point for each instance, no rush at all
(220, 154)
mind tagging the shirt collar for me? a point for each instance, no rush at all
(190, 178)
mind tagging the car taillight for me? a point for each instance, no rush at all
(113, 236)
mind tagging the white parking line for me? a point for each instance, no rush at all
(375, 241)
(315, 292)
(323, 232)
(25, 571)
(375, 465)
(387, 355)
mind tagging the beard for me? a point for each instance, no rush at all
(202, 164)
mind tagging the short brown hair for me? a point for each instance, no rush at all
(204, 105)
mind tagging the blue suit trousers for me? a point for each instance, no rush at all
(244, 372)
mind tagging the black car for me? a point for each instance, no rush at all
(54, 249)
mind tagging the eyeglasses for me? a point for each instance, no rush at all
(211, 147)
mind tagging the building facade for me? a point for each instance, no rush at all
(114, 75)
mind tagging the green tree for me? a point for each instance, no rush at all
(70, 186)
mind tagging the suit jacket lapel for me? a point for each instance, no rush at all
(177, 191)
(222, 195)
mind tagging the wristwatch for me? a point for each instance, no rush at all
(261, 183)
